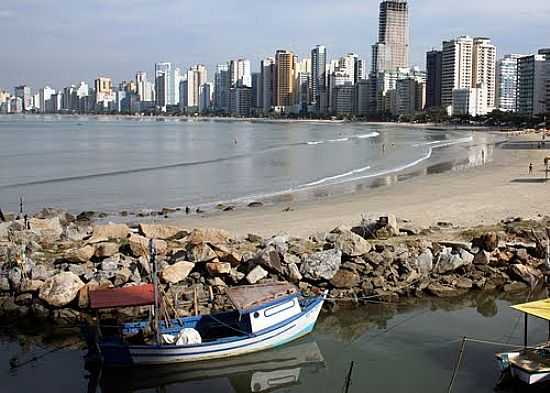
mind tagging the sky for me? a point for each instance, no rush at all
(60, 42)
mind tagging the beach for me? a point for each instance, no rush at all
(482, 195)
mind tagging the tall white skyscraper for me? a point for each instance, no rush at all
(239, 72)
(507, 83)
(46, 94)
(143, 87)
(456, 66)
(484, 61)
(167, 88)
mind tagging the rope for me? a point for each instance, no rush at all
(14, 364)
(457, 365)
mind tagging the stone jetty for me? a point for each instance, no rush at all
(50, 262)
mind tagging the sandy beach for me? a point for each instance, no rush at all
(483, 195)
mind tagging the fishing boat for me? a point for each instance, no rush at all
(530, 365)
(264, 316)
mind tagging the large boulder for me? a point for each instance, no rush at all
(441, 290)
(79, 255)
(176, 273)
(49, 229)
(294, 274)
(103, 233)
(351, 244)
(482, 258)
(269, 259)
(322, 265)
(527, 274)
(159, 231)
(139, 246)
(200, 252)
(105, 250)
(209, 235)
(227, 254)
(30, 286)
(488, 241)
(425, 262)
(76, 233)
(389, 224)
(4, 230)
(54, 212)
(345, 279)
(61, 289)
(256, 274)
(449, 262)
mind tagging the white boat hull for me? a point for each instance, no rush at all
(167, 354)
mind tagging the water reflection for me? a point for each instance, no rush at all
(268, 371)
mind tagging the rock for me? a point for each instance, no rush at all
(482, 258)
(376, 259)
(30, 286)
(49, 229)
(139, 246)
(24, 299)
(278, 242)
(4, 284)
(200, 252)
(409, 229)
(322, 265)
(227, 254)
(345, 279)
(122, 276)
(103, 233)
(108, 265)
(61, 289)
(424, 262)
(236, 276)
(159, 231)
(255, 204)
(52, 212)
(522, 255)
(177, 272)
(456, 245)
(15, 275)
(41, 272)
(291, 259)
(441, 290)
(105, 250)
(144, 212)
(210, 235)
(253, 238)
(79, 255)
(270, 260)
(515, 286)
(448, 262)
(389, 223)
(463, 283)
(487, 241)
(218, 268)
(466, 256)
(256, 274)
(76, 233)
(4, 230)
(294, 274)
(351, 244)
(527, 274)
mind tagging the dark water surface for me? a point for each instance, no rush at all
(410, 348)
(112, 164)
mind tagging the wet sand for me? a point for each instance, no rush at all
(478, 196)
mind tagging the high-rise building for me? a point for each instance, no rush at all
(318, 74)
(103, 87)
(531, 98)
(239, 72)
(456, 67)
(25, 93)
(506, 83)
(484, 61)
(285, 78)
(240, 101)
(46, 94)
(144, 88)
(268, 83)
(433, 82)
(392, 49)
(206, 91)
(166, 88)
(196, 77)
(470, 101)
(257, 95)
(222, 84)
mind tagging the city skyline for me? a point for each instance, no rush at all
(116, 48)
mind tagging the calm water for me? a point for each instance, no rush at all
(404, 349)
(113, 164)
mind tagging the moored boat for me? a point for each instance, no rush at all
(530, 365)
(265, 316)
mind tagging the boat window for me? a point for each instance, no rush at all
(256, 314)
(278, 309)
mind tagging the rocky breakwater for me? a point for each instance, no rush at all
(48, 267)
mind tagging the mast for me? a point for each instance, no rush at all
(156, 311)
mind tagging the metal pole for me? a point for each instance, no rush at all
(156, 324)
(525, 331)
(21, 206)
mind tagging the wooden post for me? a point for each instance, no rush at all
(196, 301)
(525, 331)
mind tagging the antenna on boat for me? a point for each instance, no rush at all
(153, 260)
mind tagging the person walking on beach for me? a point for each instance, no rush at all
(483, 156)
(2, 218)
(531, 168)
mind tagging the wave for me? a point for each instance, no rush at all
(445, 142)
(327, 179)
(345, 139)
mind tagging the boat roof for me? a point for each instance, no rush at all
(139, 295)
(540, 309)
(246, 298)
